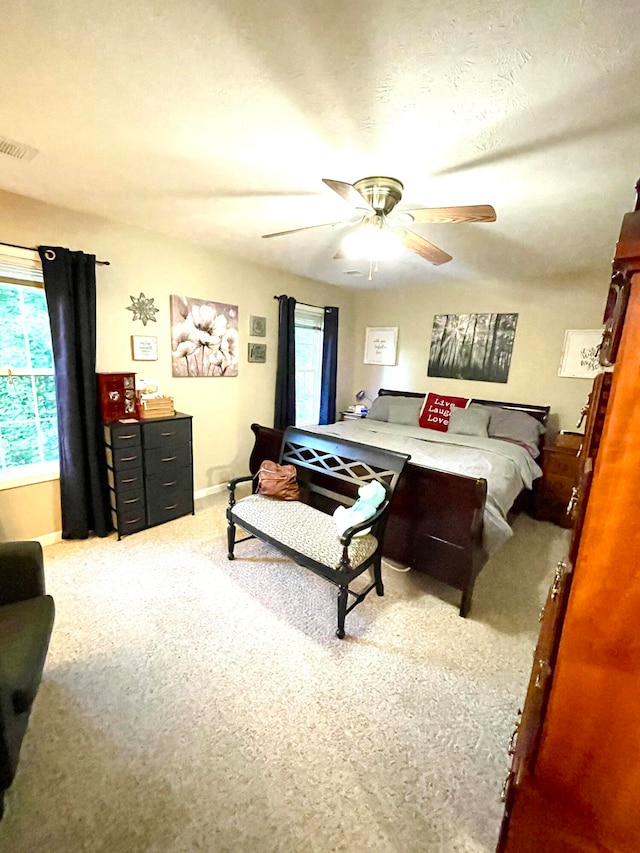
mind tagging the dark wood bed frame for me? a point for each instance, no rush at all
(436, 518)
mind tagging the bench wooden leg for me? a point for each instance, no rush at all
(231, 540)
(343, 594)
(377, 576)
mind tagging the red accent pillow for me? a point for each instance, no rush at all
(436, 410)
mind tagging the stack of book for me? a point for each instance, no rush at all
(157, 407)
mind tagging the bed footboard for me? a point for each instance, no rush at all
(435, 521)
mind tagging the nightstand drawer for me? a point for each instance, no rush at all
(561, 463)
(560, 471)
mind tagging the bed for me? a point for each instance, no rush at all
(452, 506)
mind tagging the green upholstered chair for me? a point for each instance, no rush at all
(26, 622)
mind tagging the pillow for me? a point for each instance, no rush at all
(379, 410)
(472, 421)
(435, 413)
(405, 410)
(516, 426)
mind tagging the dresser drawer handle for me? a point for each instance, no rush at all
(166, 434)
(172, 483)
(506, 787)
(132, 501)
(133, 520)
(168, 458)
(129, 479)
(544, 671)
(127, 436)
(128, 458)
(173, 506)
(513, 740)
(561, 571)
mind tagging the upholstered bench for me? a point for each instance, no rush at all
(330, 472)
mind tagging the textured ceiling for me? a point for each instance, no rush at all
(217, 121)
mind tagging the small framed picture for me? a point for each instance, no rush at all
(258, 352)
(257, 326)
(380, 345)
(580, 353)
(144, 347)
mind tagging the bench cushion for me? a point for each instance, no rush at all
(303, 529)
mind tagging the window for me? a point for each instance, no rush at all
(309, 326)
(28, 422)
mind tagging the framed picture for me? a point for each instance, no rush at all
(258, 352)
(380, 345)
(472, 346)
(257, 326)
(204, 337)
(144, 348)
(580, 353)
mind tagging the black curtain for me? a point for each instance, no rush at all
(285, 409)
(329, 367)
(70, 288)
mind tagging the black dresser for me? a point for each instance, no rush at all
(150, 471)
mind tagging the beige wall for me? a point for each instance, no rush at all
(545, 309)
(222, 408)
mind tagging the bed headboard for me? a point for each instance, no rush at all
(540, 413)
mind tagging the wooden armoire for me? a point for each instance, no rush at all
(574, 783)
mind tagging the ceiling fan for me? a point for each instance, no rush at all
(374, 200)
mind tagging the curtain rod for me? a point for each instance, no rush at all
(308, 304)
(34, 249)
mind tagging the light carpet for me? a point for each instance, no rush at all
(192, 703)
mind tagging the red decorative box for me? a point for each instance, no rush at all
(117, 393)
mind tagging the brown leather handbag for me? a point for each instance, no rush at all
(278, 481)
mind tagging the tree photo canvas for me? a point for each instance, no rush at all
(472, 346)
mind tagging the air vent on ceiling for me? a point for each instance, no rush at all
(354, 272)
(16, 149)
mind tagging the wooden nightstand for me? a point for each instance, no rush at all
(560, 468)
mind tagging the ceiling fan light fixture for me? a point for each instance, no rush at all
(371, 242)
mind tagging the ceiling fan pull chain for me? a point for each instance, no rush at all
(370, 269)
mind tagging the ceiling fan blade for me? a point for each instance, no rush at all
(349, 193)
(295, 230)
(469, 213)
(422, 247)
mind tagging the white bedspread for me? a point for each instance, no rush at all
(507, 468)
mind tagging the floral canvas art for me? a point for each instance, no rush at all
(204, 337)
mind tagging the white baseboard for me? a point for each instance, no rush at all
(49, 538)
(210, 490)
(56, 536)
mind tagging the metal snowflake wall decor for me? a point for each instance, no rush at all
(143, 309)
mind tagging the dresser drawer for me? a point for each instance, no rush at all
(125, 479)
(171, 504)
(122, 435)
(160, 460)
(129, 521)
(128, 501)
(124, 458)
(180, 479)
(167, 433)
